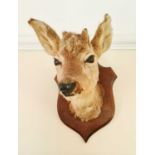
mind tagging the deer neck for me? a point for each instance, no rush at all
(87, 106)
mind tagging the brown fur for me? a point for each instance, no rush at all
(72, 51)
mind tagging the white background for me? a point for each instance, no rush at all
(74, 15)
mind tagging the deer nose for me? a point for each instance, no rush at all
(67, 88)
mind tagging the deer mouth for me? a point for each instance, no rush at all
(68, 94)
(78, 89)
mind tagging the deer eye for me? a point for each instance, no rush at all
(90, 59)
(56, 62)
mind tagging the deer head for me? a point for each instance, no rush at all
(75, 56)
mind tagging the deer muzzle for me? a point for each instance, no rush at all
(67, 88)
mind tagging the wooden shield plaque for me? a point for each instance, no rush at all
(86, 129)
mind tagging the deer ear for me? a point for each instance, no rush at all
(46, 35)
(103, 36)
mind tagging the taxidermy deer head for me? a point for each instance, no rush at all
(76, 62)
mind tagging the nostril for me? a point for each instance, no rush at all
(62, 87)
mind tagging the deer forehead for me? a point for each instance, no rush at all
(73, 45)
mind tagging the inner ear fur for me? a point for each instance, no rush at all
(46, 35)
(103, 36)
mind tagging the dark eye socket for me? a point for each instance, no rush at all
(90, 59)
(57, 62)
